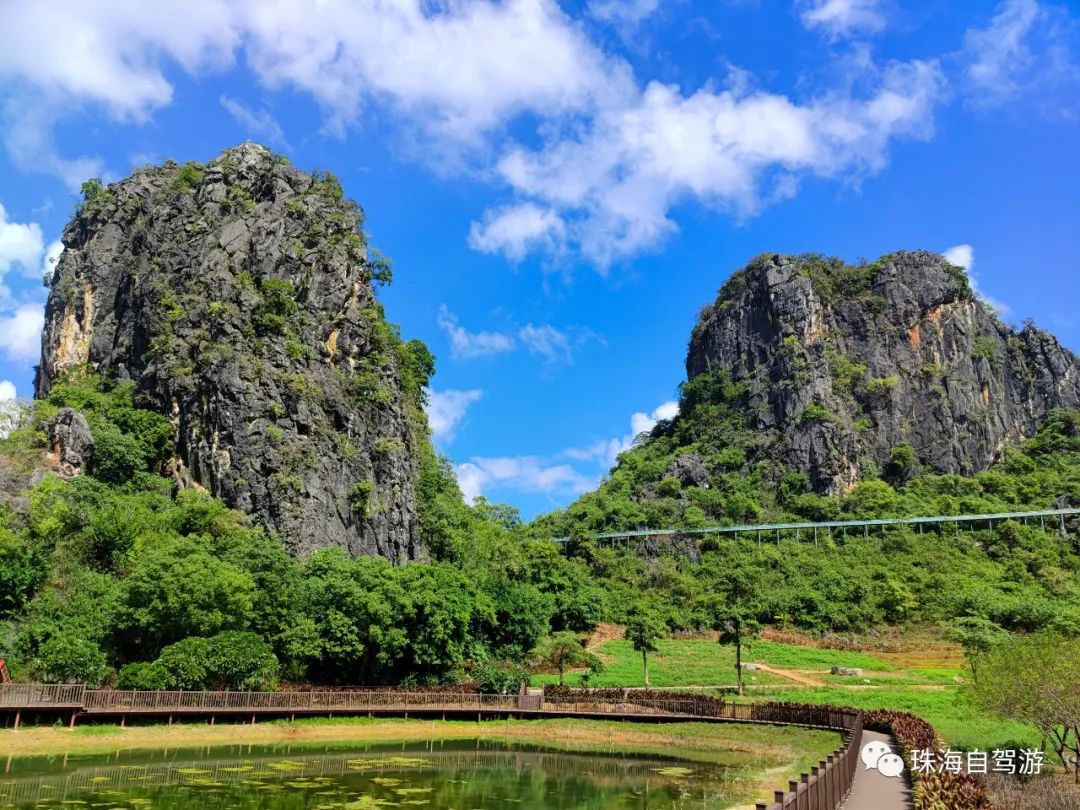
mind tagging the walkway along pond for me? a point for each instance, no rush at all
(824, 788)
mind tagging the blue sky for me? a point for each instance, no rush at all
(562, 186)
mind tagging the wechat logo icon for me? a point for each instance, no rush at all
(878, 756)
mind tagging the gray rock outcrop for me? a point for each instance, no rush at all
(238, 296)
(846, 367)
(71, 445)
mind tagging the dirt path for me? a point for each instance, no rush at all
(791, 675)
(603, 634)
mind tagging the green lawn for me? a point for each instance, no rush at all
(697, 662)
(961, 724)
(932, 693)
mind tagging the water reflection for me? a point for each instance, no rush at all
(428, 776)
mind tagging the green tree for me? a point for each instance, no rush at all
(500, 676)
(142, 675)
(977, 635)
(562, 651)
(178, 588)
(186, 663)
(66, 659)
(734, 604)
(644, 628)
(21, 572)
(1034, 679)
(242, 660)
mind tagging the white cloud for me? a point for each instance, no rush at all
(538, 474)
(614, 156)
(964, 256)
(553, 345)
(52, 256)
(446, 409)
(108, 53)
(644, 422)
(20, 333)
(622, 11)
(465, 344)
(259, 123)
(960, 255)
(548, 342)
(999, 52)
(468, 66)
(11, 411)
(520, 473)
(606, 451)
(515, 230)
(839, 18)
(1026, 52)
(614, 183)
(20, 244)
(32, 148)
(456, 69)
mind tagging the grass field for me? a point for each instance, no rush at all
(961, 724)
(802, 674)
(701, 662)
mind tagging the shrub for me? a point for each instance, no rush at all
(985, 348)
(144, 675)
(361, 497)
(240, 660)
(501, 677)
(274, 312)
(65, 659)
(669, 487)
(117, 456)
(844, 372)
(96, 197)
(187, 177)
(731, 458)
(901, 464)
(882, 386)
(185, 663)
(21, 572)
(816, 412)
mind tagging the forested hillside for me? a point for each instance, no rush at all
(227, 479)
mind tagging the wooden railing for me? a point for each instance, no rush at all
(42, 695)
(828, 783)
(115, 700)
(824, 788)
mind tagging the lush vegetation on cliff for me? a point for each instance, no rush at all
(118, 575)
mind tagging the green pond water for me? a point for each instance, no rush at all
(421, 776)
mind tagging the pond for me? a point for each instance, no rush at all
(460, 775)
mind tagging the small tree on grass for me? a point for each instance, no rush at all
(733, 606)
(978, 636)
(1034, 679)
(562, 651)
(644, 628)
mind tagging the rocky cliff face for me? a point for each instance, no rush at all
(238, 296)
(845, 368)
